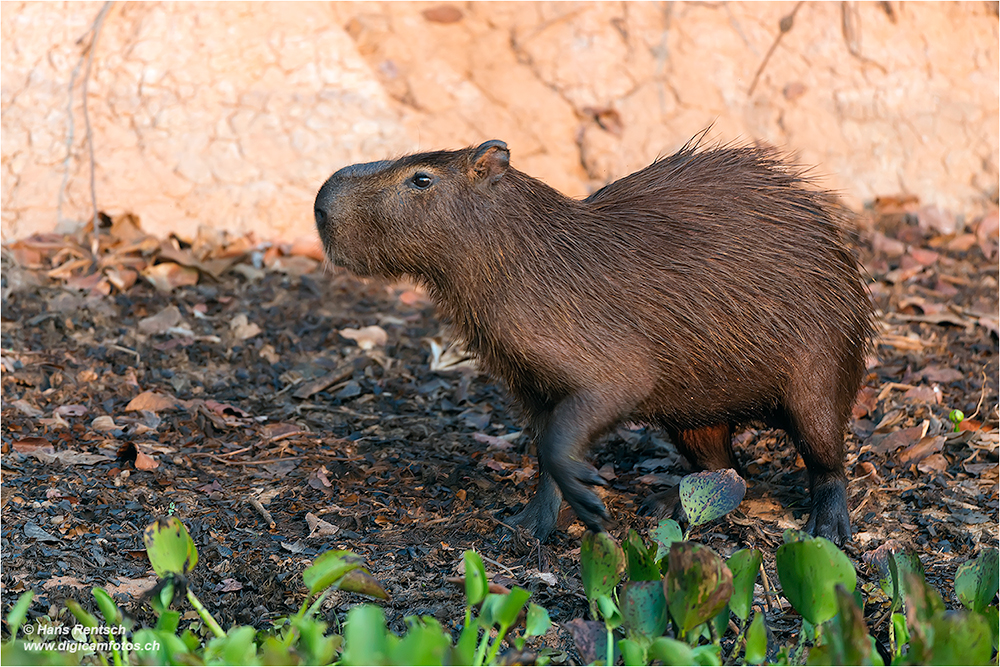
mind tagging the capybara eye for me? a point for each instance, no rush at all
(421, 181)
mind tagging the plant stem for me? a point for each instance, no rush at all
(610, 648)
(205, 616)
(496, 645)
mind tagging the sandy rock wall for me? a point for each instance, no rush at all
(233, 114)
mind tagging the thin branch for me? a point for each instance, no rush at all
(98, 23)
(783, 26)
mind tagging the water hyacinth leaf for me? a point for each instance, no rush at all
(671, 652)
(744, 565)
(425, 643)
(328, 568)
(960, 637)
(361, 581)
(112, 615)
(891, 564)
(706, 496)
(644, 608)
(977, 582)
(169, 547)
(756, 649)
(666, 533)
(809, 571)
(845, 639)
(697, 585)
(537, 622)
(476, 585)
(609, 611)
(639, 559)
(510, 606)
(19, 612)
(602, 564)
(365, 640)
(633, 653)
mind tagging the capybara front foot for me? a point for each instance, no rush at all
(829, 517)
(575, 481)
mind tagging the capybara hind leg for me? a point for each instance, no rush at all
(540, 514)
(817, 430)
(706, 448)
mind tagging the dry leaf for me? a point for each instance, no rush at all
(74, 410)
(366, 337)
(941, 374)
(144, 461)
(168, 276)
(267, 352)
(29, 445)
(921, 450)
(103, 424)
(27, 408)
(923, 394)
(161, 322)
(154, 402)
(320, 528)
(242, 328)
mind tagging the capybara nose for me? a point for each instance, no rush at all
(321, 217)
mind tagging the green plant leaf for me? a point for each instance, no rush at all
(425, 643)
(977, 582)
(891, 567)
(109, 610)
(609, 611)
(756, 649)
(845, 638)
(476, 585)
(640, 560)
(537, 622)
(82, 615)
(744, 565)
(666, 533)
(708, 655)
(792, 535)
(360, 581)
(697, 585)
(510, 606)
(809, 571)
(164, 648)
(671, 652)
(706, 496)
(633, 652)
(168, 621)
(602, 564)
(169, 547)
(961, 637)
(328, 568)
(644, 609)
(365, 637)
(19, 612)
(236, 648)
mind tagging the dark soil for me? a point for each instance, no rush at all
(256, 431)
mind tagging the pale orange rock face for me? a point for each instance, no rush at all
(232, 115)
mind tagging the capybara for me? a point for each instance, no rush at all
(710, 289)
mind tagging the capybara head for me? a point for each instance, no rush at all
(392, 218)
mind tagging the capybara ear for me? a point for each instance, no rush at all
(490, 162)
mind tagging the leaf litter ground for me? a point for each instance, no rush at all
(281, 409)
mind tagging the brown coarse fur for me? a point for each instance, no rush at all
(709, 289)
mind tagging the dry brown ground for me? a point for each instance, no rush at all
(265, 418)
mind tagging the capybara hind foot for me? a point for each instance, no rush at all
(829, 517)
